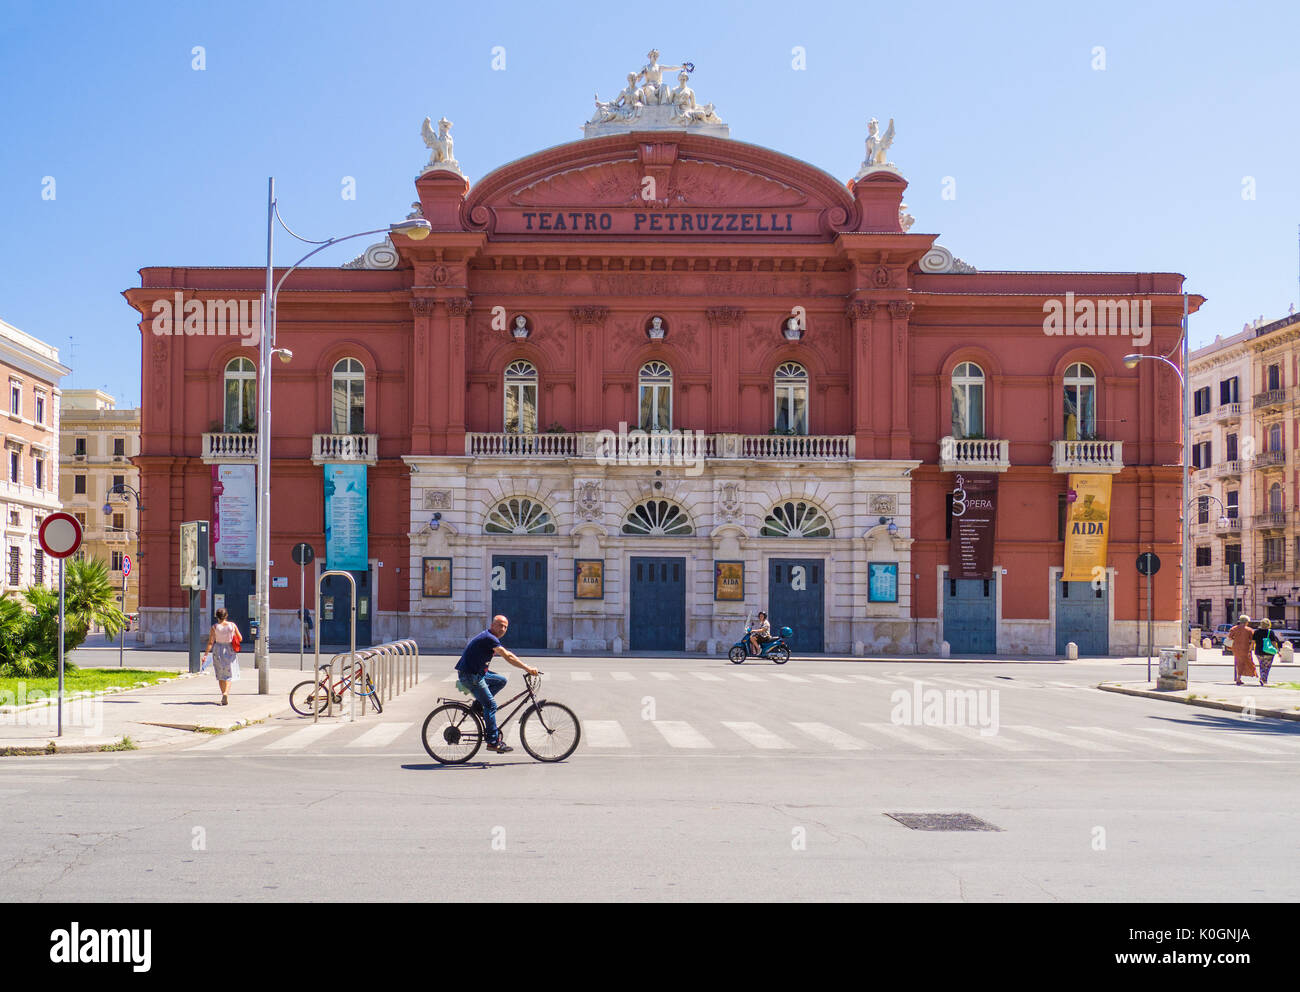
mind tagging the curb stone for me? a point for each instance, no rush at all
(1213, 704)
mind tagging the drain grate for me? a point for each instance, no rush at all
(942, 821)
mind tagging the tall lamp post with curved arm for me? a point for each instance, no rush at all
(417, 230)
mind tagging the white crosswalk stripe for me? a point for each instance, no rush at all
(580, 676)
(305, 737)
(604, 733)
(748, 677)
(756, 735)
(996, 739)
(1141, 742)
(872, 678)
(909, 735)
(787, 677)
(680, 734)
(1066, 739)
(232, 738)
(664, 676)
(622, 676)
(1216, 740)
(381, 735)
(829, 735)
(830, 678)
(707, 677)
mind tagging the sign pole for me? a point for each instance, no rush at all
(121, 644)
(60, 536)
(1150, 581)
(60, 733)
(302, 610)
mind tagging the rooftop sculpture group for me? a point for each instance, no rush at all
(649, 103)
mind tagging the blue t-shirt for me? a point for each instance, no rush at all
(478, 653)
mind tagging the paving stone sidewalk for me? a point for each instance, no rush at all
(1277, 699)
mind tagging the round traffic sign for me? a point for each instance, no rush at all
(303, 553)
(1148, 563)
(60, 535)
(126, 565)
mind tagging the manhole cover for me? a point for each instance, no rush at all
(942, 821)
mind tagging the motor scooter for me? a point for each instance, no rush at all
(777, 648)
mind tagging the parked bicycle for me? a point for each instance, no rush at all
(308, 699)
(549, 731)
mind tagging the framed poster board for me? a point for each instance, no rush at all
(588, 579)
(729, 581)
(436, 578)
(882, 582)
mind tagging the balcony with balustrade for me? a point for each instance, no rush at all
(1265, 460)
(1228, 470)
(642, 447)
(357, 449)
(1270, 399)
(1272, 520)
(1226, 413)
(1099, 457)
(1228, 527)
(974, 455)
(229, 447)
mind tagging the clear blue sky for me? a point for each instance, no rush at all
(1139, 166)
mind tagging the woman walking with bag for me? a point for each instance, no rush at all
(1266, 648)
(1240, 639)
(225, 665)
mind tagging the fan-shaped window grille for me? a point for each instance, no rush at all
(657, 517)
(796, 519)
(519, 516)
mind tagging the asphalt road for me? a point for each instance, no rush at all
(695, 779)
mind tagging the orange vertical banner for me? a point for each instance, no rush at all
(1087, 528)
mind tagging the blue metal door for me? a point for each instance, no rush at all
(232, 589)
(518, 585)
(333, 626)
(796, 599)
(970, 612)
(1082, 616)
(657, 591)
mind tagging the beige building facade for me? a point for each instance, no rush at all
(29, 491)
(97, 443)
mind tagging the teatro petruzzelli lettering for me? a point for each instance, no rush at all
(681, 222)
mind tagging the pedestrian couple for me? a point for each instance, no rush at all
(1243, 637)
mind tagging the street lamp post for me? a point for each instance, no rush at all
(416, 229)
(1130, 361)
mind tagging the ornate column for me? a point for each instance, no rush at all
(724, 347)
(458, 309)
(860, 314)
(588, 322)
(900, 420)
(420, 398)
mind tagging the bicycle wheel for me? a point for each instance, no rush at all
(780, 654)
(554, 735)
(737, 655)
(304, 694)
(371, 693)
(452, 734)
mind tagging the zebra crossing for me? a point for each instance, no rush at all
(653, 737)
(896, 679)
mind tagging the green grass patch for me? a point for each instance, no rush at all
(125, 744)
(1288, 685)
(81, 680)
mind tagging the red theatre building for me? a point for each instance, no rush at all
(636, 387)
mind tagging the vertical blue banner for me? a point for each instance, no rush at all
(347, 528)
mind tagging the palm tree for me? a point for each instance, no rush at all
(29, 628)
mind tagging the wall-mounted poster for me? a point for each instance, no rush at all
(347, 530)
(234, 516)
(1085, 530)
(588, 579)
(882, 582)
(437, 578)
(974, 526)
(729, 581)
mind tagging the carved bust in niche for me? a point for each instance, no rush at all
(792, 328)
(656, 328)
(521, 329)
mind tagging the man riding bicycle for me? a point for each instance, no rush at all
(484, 685)
(761, 634)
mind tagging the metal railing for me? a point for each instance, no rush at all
(393, 667)
(1270, 397)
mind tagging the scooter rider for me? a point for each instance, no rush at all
(761, 633)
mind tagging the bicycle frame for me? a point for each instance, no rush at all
(501, 723)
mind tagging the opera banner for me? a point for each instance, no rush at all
(1087, 527)
(437, 578)
(589, 579)
(347, 528)
(234, 516)
(974, 519)
(729, 581)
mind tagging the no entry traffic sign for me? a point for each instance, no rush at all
(126, 566)
(60, 535)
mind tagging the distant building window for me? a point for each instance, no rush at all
(79, 485)
(790, 390)
(38, 567)
(119, 521)
(13, 467)
(79, 446)
(39, 479)
(349, 402)
(15, 566)
(1202, 557)
(15, 518)
(81, 519)
(520, 398)
(40, 408)
(1228, 391)
(119, 446)
(1232, 554)
(656, 397)
(15, 399)
(117, 561)
(1080, 403)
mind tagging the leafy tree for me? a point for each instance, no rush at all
(29, 627)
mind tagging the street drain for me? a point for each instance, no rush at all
(942, 821)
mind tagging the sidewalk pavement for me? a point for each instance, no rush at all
(1250, 699)
(160, 714)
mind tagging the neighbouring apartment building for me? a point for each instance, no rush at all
(635, 387)
(29, 475)
(97, 443)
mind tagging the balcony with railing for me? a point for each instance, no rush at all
(1272, 520)
(1229, 526)
(521, 445)
(1102, 457)
(1270, 398)
(1270, 459)
(229, 447)
(639, 446)
(1228, 469)
(1227, 412)
(1202, 475)
(974, 455)
(361, 449)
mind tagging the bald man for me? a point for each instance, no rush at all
(483, 685)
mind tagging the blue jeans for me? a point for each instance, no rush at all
(484, 688)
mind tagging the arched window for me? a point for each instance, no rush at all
(791, 388)
(657, 517)
(241, 397)
(1080, 403)
(1274, 437)
(349, 397)
(967, 400)
(521, 398)
(656, 397)
(1275, 498)
(519, 516)
(796, 519)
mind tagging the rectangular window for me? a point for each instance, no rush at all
(1232, 554)
(1228, 391)
(15, 567)
(1203, 509)
(1273, 551)
(15, 518)
(1231, 444)
(13, 467)
(1201, 401)
(15, 399)
(119, 480)
(79, 485)
(119, 521)
(38, 567)
(119, 446)
(40, 408)
(1232, 505)
(79, 446)
(1202, 557)
(117, 561)
(81, 519)
(39, 479)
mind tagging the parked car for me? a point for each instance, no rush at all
(1217, 635)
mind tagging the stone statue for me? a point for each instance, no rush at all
(520, 330)
(877, 147)
(655, 89)
(623, 107)
(656, 329)
(699, 115)
(905, 220)
(683, 96)
(441, 157)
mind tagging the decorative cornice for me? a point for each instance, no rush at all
(589, 314)
(726, 315)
